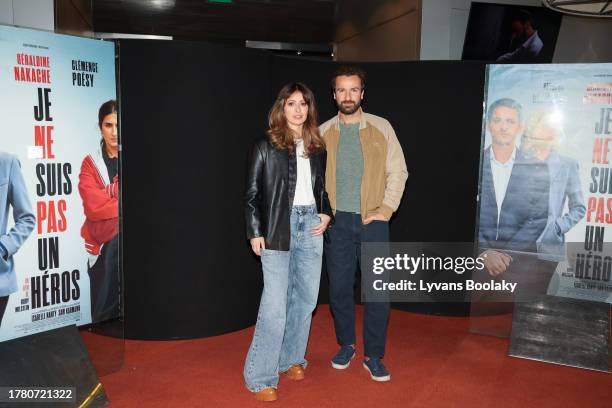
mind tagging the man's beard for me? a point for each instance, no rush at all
(348, 109)
(518, 41)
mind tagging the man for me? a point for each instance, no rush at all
(526, 44)
(514, 201)
(365, 178)
(504, 125)
(12, 193)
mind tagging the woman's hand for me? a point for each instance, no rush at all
(319, 229)
(257, 244)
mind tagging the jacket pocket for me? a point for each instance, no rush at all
(5, 265)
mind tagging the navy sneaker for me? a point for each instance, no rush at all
(343, 357)
(377, 369)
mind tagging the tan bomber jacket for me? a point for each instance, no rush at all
(384, 166)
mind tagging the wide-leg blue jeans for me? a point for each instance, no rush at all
(291, 288)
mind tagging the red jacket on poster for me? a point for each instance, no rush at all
(100, 202)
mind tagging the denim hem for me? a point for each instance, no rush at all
(291, 285)
(304, 364)
(263, 387)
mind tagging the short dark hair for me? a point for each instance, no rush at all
(346, 70)
(524, 17)
(506, 103)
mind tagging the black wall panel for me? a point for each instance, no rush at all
(189, 113)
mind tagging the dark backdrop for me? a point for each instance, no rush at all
(190, 111)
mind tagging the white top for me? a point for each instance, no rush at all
(303, 184)
(501, 178)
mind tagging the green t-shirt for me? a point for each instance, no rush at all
(349, 169)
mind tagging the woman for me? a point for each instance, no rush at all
(287, 211)
(540, 143)
(98, 187)
(552, 181)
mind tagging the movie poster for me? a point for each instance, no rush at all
(545, 185)
(58, 181)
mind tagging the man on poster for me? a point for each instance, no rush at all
(524, 192)
(502, 214)
(526, 44)
(13, 193)
(515, 209)
(363, 199)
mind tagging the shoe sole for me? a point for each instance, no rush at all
(343, 366)
(267, 397)
(379, 379)
(295, 377)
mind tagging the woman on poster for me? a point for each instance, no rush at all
(287, 210)
(540, 143)
(99, 190)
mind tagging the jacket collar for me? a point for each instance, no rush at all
(98, 160)
(362, 122)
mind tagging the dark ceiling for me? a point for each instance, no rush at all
(301, 21)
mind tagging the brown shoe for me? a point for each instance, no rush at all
(295, 372)
(267, 395)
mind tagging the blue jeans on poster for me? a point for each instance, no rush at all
(291, 288)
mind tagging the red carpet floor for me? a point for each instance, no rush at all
(434, 362)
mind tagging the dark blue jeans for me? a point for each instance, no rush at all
(342, 254)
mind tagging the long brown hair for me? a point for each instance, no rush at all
(279, 133)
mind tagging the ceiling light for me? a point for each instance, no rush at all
(163, 4)
(586, 8)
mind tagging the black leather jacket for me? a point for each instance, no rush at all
(270, 189)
